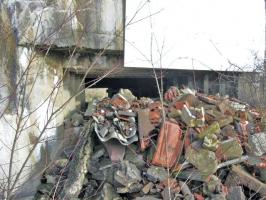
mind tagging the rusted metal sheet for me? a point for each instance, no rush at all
(168, 145)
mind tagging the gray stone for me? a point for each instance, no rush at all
(109, 193)
(51, 179)
(262, 176)
(68, 151)
(78, 166)
(216, 197)
(167, 195)
(104, 170)
(236, 193)
(134, 157)
(213, 186)
(155, 174)
(98, 153)
(77, 119)
(148, 197)
(131, 171)
(205, 161)
(190, 174)
(91, 189)
(45, 188)
(129, 177)
(90, 110)
(61, 163)
(146, 189)
(257, 143)
(229, 149)
(39, 196)
(186, 191)
(131, 188)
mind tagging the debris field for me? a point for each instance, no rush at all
(184, 145)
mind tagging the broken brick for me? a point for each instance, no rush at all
(168, 145)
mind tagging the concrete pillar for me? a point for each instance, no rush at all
(206, 84)
(222, 88)
(191, 82)
(73, 84)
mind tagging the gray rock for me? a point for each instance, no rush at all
(78, 165)
(98, 153)
(257, 142)
(213, 188)
(51, 179)
(230, 149)
(134, 157)
(77, 119)
(91, 188)
(45, 188)
(235, 193)
(167, 195)
(90, 110)
(103, 170)
(186, 191)
(129, 177)
(130, 185)
(262, 176)
(204, 160)
(216, 197)
(148, 197)
(39, 196)
(68, 151)
(61, 163)
(109, 193)
(131, 171)
(155, 174)
(146, 189)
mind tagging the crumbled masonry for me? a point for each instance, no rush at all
(191, 146)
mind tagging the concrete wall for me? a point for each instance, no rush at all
(39, 41)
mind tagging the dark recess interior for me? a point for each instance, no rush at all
(140, 87)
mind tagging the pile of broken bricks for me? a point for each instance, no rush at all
(187, 146)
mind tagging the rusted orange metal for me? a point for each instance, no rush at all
(169, 145)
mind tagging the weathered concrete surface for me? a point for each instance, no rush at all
(27, 28)
(87, 24)
(8, 57)
(39, 87)
(78, 166)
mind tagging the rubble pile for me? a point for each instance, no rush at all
(188, 146)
